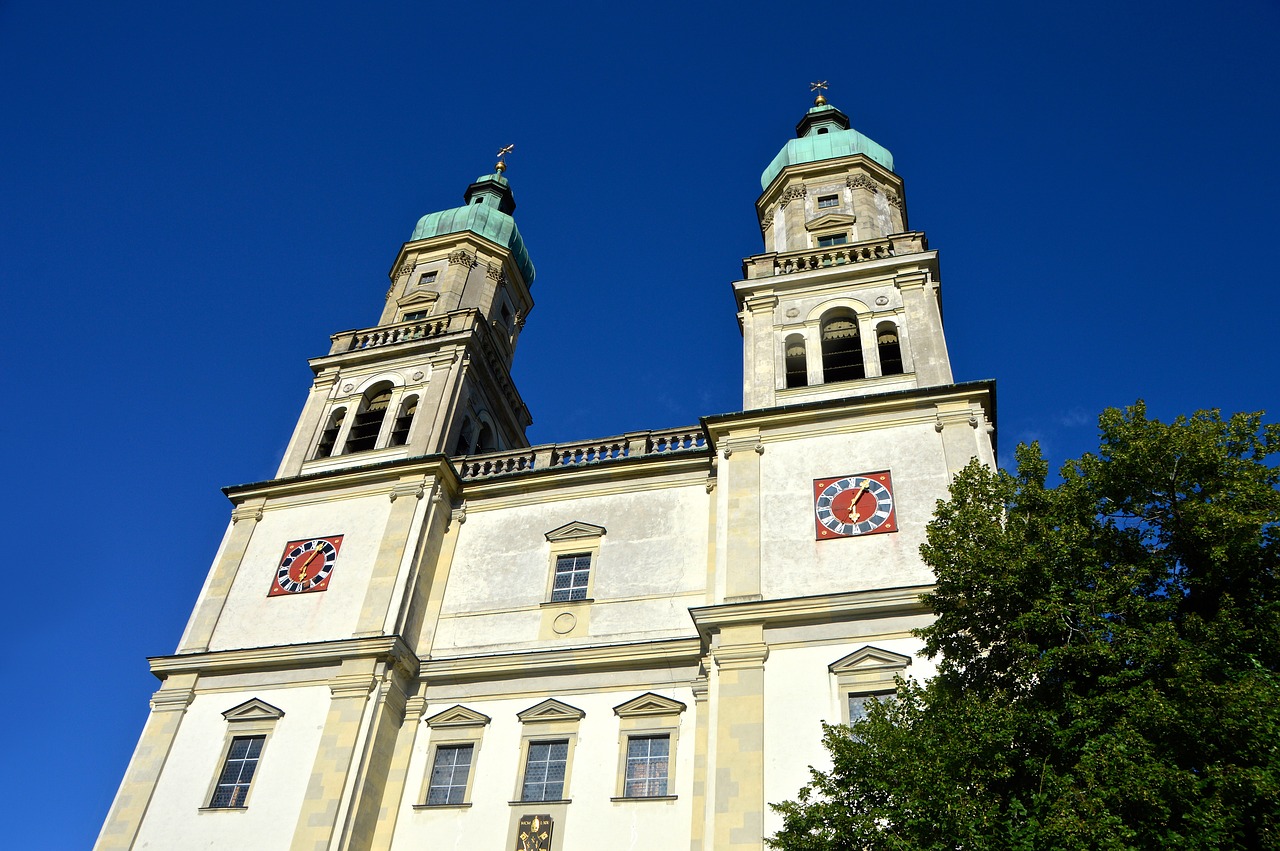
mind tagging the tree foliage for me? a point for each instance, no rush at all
(1109, 648)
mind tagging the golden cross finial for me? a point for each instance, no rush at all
(502, 157)
(818, 87)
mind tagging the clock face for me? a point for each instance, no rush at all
(306, 566)
(849, 506)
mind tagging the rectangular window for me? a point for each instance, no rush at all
(237, 772)
(858, 703)
(544, 771)
(825, 201)
(647, 760)
(449, 774)
(416, 315)
(832, 239)
(572, 572)
(427, 278)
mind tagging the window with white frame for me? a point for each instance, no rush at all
(573, 570)
(865, 675)
(249, 725)
(456, 735)
(232, 787)
(544, 771)
(550, 732)
(648, 727)
(449, 774)
(647, 760)
(574, 551)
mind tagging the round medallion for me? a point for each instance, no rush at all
(564, 623)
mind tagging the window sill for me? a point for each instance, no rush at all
(222, 809)
(562, 603)
(534, 803)
(623, 800)
(461, 806)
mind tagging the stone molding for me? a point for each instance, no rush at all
(736, 657)
(853, 605)
(639, 655)
(791, 193)
(462, 257)
(172, 699)
(385, 648)
(575, 531)
(550, 710)
(648, 704)
(861, 181)
(254, 709)
(457, 716)
(868, 660)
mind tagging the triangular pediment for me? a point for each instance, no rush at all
(575, 531)
(870, 659)
(253, 710)
(830, 220)
(419, 297)
(550, 710)
(458, 716)
(648, 704)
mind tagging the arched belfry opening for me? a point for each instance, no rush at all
(463, 445)
(368, 422)
(797, 365)
(404, 420)
(329, 436)
(841, 349)
(889, 347)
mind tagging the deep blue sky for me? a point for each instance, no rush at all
(197, 194)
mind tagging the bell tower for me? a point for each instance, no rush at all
(434, 375)
(845, 299)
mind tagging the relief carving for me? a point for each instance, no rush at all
(462, 258)
(792, 193)
(861, 181)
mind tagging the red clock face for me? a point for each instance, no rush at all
(850, 506)
(306, 566)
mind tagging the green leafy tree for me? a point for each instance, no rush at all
(1109, 649)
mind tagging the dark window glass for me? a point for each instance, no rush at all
(572, 573)
(544, 771)
(796, 363)
(832, 239)
(416, 315)
(890, 349)
(647, 759)
(237, 772)
(825, 201)
(449, 774)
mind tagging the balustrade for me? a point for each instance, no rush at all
(582, 453)
(401, 332)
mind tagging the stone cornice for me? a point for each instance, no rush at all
(720, 426)
(390, 648)
(880, 271)
(429, 467)
(853, 605)
(611, 657)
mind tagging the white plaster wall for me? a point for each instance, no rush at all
(593, 821)
(654, 550)
(800, 694)
(252, 619)
(794, 564)
(175, 820)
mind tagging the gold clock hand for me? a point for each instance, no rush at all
(853, 504)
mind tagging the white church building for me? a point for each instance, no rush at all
(424, 633)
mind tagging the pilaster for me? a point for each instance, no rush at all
(740, 475)
(924, 317)
(168, 706)
(398, 773)
(758, 350)
(701, 761)
(407, 506)
(199, 632)
(739, 656)
(308, 423)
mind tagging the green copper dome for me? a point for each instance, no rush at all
(487, 213)
(824, 134)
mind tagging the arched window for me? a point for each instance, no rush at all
(796, 364)
(841, 349)
(485, 441)
(368, 422)
(400, 431)
(890, 349)
(463, 446)
(329, 436)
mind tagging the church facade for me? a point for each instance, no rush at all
(424, 632)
